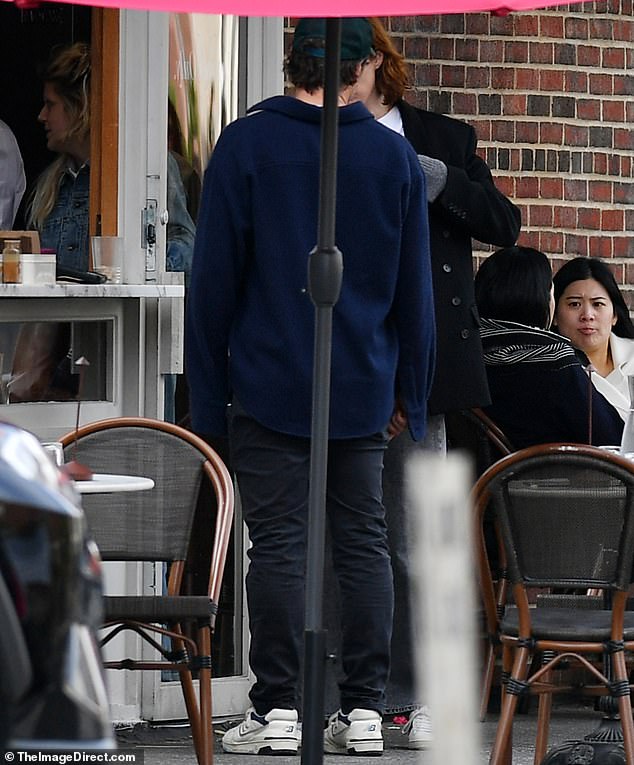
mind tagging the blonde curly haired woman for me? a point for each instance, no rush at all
(59, 206)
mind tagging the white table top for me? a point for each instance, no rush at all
(105, 483)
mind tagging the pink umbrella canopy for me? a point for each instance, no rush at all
(332, 8)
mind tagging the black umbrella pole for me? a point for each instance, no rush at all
(325, 272)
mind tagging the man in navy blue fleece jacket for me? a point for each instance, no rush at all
(250, 329)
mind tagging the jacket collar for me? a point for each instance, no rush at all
(293, 107)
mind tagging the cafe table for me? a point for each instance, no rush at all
(108, 483)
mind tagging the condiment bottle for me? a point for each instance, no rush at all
(11, 262)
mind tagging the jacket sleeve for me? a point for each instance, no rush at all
(471, 201)
(577, 400)
(414, 307)
(220, 253)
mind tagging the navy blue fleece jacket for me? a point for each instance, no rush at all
(250, 319)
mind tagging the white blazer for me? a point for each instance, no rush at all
(614, 387)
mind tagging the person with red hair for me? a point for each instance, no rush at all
(463, 204)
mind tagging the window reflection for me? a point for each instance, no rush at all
(37, 361)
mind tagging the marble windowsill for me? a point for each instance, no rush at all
(65, 289)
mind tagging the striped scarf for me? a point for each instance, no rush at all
(506, 343)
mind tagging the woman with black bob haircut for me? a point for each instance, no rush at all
(540, 391)
(591, 312)
(515, 284)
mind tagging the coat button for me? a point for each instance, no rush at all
(464, 333)
(456, 301)
(446, 268)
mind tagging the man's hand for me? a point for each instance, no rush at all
(398, 421)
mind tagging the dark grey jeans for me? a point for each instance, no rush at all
(272, 471)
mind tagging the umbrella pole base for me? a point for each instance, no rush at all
(604, 746)
(314, 685)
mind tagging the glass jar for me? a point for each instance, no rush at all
(11, 261)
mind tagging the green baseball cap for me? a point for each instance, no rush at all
(356, 38)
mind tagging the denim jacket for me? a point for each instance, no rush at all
(65, 230)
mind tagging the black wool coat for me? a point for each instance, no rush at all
(470, 206)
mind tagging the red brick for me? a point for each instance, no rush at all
(589, 109)
(600, 29)
(600, 191)
(626, 168)
(527, 132)
(613, 58)
(623, 30)
(551, 26)
(515, 160)
(575, 81)
(600, 163)
(576, 244)
(588, 55)
(623, 85)
(551, 79)
(576, 28)
(527, 79)
(428, 74)
(491, 51)
(589, 217)
(465, 103)
(527, 187)
(551, 188)
(516, 52)
(526, 25)
(540, 216)
(624, 248)
(529, 239)
(575, 190)
(418, 98)
(514, 103)
(551, 241)
(478, 77)
(576, 135)
(564, 217)
(624, 138)
(614, 111)
(600, 247)
(502, 78)
(442, 48)
(467, 50)
(612, 220)
(416, 47)
(501, 25)
(541, 53)
(601, 84)
(477, 23)
(453, 76)
(452, 24)
(483, 130)
(503, 131)
(506, 184)
(551, 132)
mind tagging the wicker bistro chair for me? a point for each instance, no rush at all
(473, 431)
(156, 526)
(566, 516)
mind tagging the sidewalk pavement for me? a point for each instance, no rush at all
(170, 745)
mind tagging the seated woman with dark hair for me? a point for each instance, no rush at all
(539, 388)
(592, 313)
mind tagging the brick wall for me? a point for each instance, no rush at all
(551, 95)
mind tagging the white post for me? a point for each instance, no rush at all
(444, 603)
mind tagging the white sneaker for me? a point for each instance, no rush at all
(273, 733)
(418, 729)
(356, 733)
